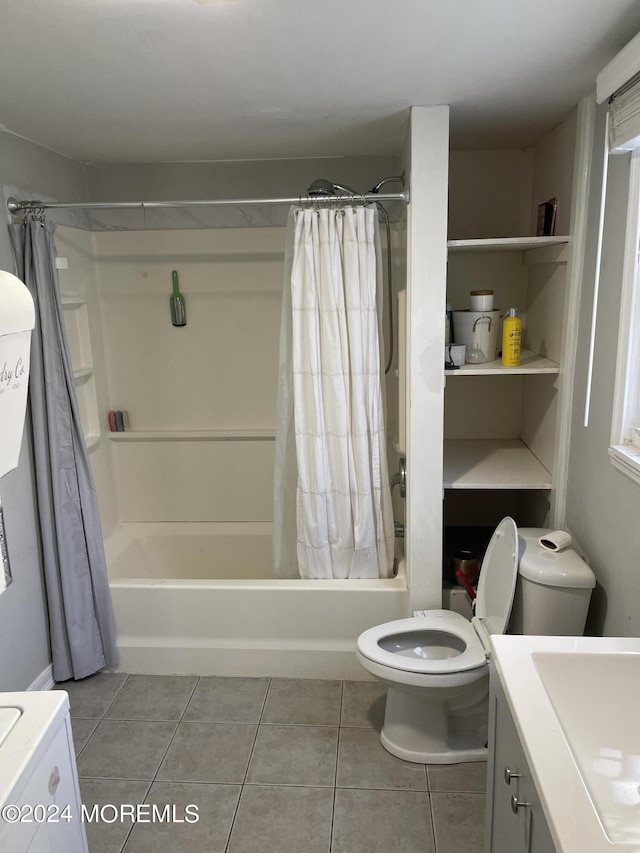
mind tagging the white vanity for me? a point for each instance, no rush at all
(564, 763)
(39, 794)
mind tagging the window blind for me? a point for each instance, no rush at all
(624, 120)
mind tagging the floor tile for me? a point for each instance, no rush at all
(282, 820)
(227, 700)
(102, 836)
(82, 730)
(92, 696)
(294, 755)
(125, 749)
(458, 822)
(303, 701)
(469, 777)
(216, 805)
(363, 704)
(364, 763)
(208, 752)
(384, 821)
(153, 697)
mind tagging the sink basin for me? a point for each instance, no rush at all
(596, 699)
(8, 718)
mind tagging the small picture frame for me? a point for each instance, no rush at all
(547, 212)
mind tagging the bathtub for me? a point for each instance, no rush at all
(198, 598)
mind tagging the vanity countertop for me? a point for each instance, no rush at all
(27, 721)
(576, 705)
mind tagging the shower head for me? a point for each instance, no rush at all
(321, 187)
(325, 189)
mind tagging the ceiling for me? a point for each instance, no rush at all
(128, 81)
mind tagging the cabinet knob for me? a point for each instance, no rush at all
(509, 775)
(515, 804)
(54, 780)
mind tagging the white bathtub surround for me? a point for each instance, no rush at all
(332, 512)
(177, 612)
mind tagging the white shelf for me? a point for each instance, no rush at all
(504, 244)
(492, 464)
(82, 373)
(195, 435)
(72, 301)
(530, 362)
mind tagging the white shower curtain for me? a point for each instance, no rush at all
(332, 501)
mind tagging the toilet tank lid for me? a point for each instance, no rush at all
(548, 568)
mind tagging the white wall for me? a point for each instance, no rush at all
(603, 504)
(426, 158)
(490, 193)
(24, 644)
(553, 172)
(239, 179)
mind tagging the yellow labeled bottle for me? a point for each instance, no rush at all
(511, 339)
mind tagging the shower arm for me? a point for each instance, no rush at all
(397, 179)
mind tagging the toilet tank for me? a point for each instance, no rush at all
(553, 589)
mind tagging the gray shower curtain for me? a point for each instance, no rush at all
(79, 602)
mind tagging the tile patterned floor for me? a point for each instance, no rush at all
(274, 766)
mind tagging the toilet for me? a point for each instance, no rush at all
(436, 664)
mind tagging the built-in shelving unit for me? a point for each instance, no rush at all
(195, 435)
(83, 373)
(76, 321)
(504, 244)
(530, 362)
(526, 273)
(492, 464)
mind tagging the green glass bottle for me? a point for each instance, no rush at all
(176, 300)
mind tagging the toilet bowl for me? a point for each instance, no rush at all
(436, 664)
(436, 669)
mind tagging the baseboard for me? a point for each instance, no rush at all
(44, 681)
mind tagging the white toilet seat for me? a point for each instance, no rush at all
(436, 666)
(436, 622)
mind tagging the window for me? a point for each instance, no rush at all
(625, 428)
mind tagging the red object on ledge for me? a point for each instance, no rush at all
(465, 583)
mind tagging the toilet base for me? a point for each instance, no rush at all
(425, 730)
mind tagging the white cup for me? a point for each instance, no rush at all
(455, 352)
(481, 300)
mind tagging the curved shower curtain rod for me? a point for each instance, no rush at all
(14, 206)
(321, 191)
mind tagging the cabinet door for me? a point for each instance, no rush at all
(52, 786)
(42, 842)
(518, 825)
(510, 831)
